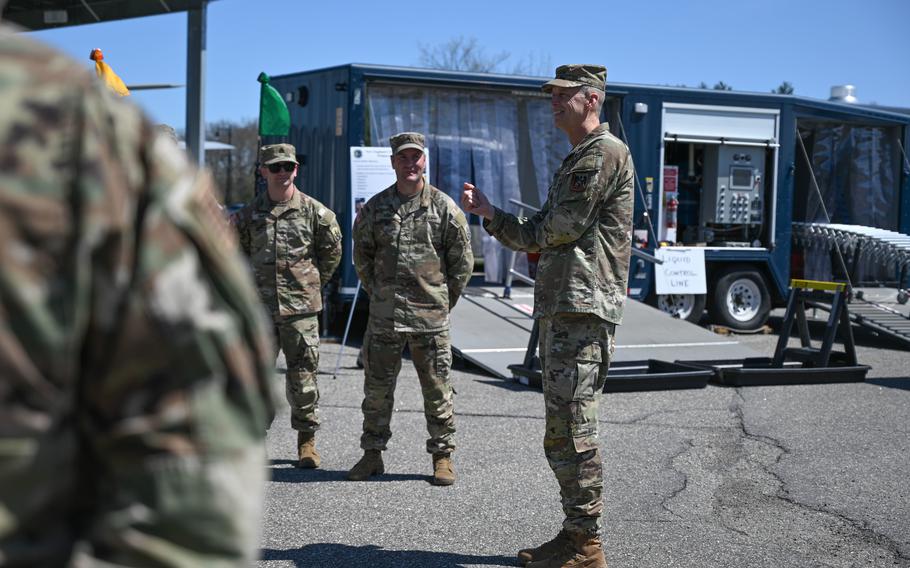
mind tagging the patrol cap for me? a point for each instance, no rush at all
(404, 140)
(576, 75)
(275, 153)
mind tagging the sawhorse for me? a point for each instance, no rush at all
(813, 292)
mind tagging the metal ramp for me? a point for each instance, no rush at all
(880, 318)
(878, 309)
(497, 333)
(493, 332)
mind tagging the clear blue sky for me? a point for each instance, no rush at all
(752, 46)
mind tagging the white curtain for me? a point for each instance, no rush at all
(474, 136)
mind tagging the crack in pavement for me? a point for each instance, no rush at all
(686, 446)
(642, 417)
(728, 479)
(862, 528)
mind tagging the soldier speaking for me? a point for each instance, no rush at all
(583, 235)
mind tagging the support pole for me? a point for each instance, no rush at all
(195, 82)
(347, 328)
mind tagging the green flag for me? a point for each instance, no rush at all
(274, 118)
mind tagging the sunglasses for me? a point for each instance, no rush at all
(286, 166)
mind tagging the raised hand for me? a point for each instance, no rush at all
(474, 201)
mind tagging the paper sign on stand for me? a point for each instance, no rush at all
(371, 172)
(682, 271)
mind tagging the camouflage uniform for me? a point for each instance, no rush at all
(133, 355)
(414, 259)
(294, 248)
(583, 233)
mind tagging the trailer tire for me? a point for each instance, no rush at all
(741, 300)
(688, 307)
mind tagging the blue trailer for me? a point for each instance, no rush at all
(725, 172)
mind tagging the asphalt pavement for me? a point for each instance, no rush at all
(773, 476)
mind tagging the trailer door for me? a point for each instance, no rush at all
(720, 165)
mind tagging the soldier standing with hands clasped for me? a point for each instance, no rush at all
(413, 255)
(294, 245)
(583, 233)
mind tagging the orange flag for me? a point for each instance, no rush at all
(106, 74)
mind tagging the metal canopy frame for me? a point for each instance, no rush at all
(48, 14)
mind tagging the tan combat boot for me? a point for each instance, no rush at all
(308, 457)
(370, 464)
(581, 551)
(545, 550)
(443, 469)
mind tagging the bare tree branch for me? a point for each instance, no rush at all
(538, 66)
(234, 170)
(465, 54)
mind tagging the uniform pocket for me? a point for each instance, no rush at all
(299, 236)
(584, 401)
(385, 231)
(262, 247)
(573, 368)
(442, 360)
(587, 370)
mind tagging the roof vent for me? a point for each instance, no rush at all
(843, 94)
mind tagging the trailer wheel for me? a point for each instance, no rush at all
(689, 307)
(741, 300)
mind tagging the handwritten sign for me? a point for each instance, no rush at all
(683, 271)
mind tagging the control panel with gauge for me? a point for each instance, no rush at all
(732, 191)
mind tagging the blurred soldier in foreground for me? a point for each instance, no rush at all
(583, 233)
(294, 245)
(133, 354)
(413, 255)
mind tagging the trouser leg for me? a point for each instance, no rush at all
(575, 351)
(381, 365)
(299, 337)
(432, 355)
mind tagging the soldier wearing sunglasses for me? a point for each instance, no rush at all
(294, 245)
